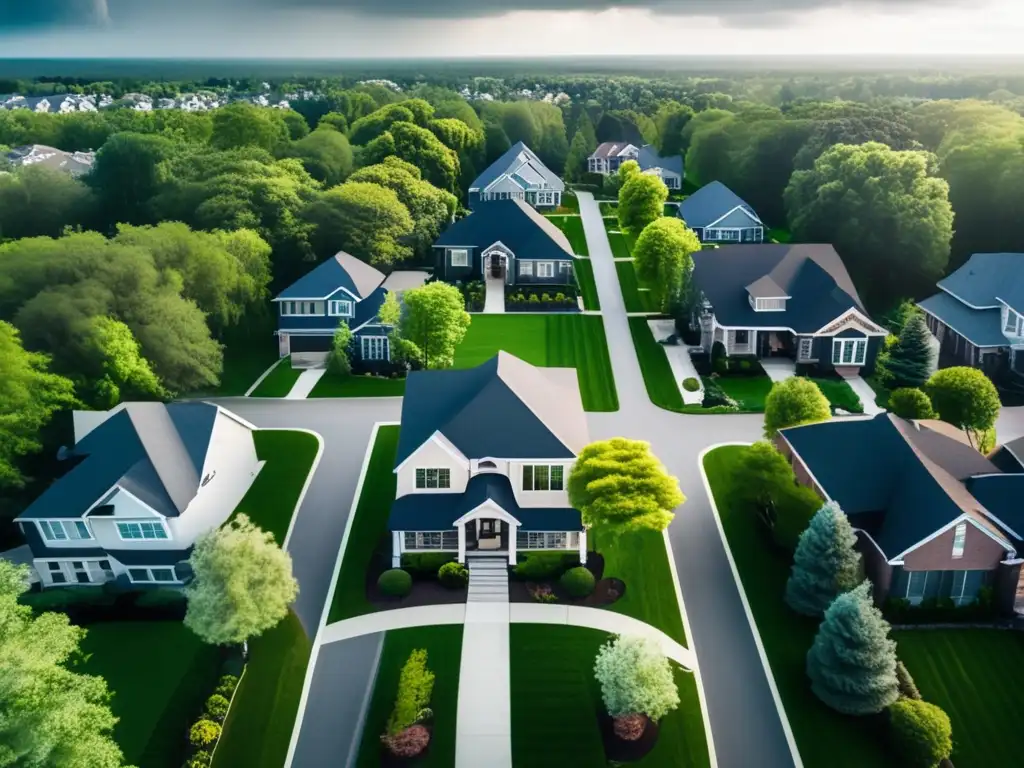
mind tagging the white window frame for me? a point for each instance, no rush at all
(416, 541)
(374, 347)
(297, 308)
(545, 540)
(443, 474)
(801, 354)
(548, 474)
(141, 536)
(463, 257)
(924, 586)
(564, 266)
(545, 269)
(840, 347)
(526, 268)
(770, 305)
(65, 569)
(64, 530)
(959, 540)
(151, 571)
(340, 308)
(1012, 322)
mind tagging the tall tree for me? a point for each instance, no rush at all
(128, 172)
(244, 125)
(671, 118)
(36, 200)
(825, 564)
(325, 154)
(663, 256)
(435, 320)
(421, 148)
(576, 161)
(915, 357)
(366, 129)
(641, 201)
(364, 219)
(793, 402)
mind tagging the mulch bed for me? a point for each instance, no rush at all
(424, 591)
(606, 591)
(389, 760)
(622, 751)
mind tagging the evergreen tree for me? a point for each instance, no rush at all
(576, 161)
(825, 564)
(852, 663)
(915, 358)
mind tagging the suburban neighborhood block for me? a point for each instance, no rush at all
(610, 155)
(719, 215)
(518, 175)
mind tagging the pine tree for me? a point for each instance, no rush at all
(914, 359)
(852, 663)
(825, 564)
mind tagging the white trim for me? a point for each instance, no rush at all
(851, 312)
(442, 441)
(385, 347)
(941, 287)
(139, 522)
(750, 215)
(74, 522)
(316, 298)
(135, 498)
(351, 308)
(462, 251)
(426, 488)
(488, 510)
(962, 518)
(149, 572)
(355, 299)
(842, 344)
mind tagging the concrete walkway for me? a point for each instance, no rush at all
(778, 368)
(483, 732)
(494, 301)
(305, 383)
(398, 618)
(866, 394)
(678, 360)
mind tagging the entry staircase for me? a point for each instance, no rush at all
(488, 578)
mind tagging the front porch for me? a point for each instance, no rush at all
(757, 342)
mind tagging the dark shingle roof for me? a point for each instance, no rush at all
(439, 511)
(527, 233)
(710, 203)
(1003, 496)
(812, 275)
(517, 155)
(981, 327)
(649, 158)
(339, 271)
(987, 277)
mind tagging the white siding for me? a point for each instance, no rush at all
(432, 455)
(539, 498)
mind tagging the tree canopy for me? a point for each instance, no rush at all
(435, 320)
(641, 201)
(244, 125)
(663, 255)
(964, 397)
(35, 200)
(325, 154)
(792, 402)
(635, 678)
(364, 219)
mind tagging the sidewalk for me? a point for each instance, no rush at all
(305, 383)
(483, 736)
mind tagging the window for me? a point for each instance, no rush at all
(340, 307)
(806, 348)
(434, 478)
(959, 540)
(460, 257)
(56, 573)
(526, 268)
(158, 574)
(541, 540)
(545, 269)
(742, 338)
(916, 584)
(375, 347)
(723, 234)
(849, 351)
(770, 305)
(565, 266)
(64, 530)
(1014, 322)
(431, 540)
(142, 530)
(289, 308)
(543, 477)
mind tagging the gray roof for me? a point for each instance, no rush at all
(612, 148)
(74, 163)
(649, 158)
(1003, 496)
(152, 450)
(981, 327)
(503, 408)
(528, 234)
(710, 203)
(514, 158)
(986, 278)
(340, 271)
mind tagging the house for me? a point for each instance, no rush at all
(718, 215)
(149, 479)
(340, 289)
(668, 169)
(484, 455)
(610, 155)
(507, 241)
(934, 518)
(73, 163)
(794, 301)
(518, 175)
(978, 314)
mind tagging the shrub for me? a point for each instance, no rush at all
(560, 297)
(793, 402)
(542, 593)
(719, 362)
(921, 733)
(415, 684)
(534, 298)
(795, 505)
(61, 599)
(635, 677)
(964, 397)
(546, 297)
(409, 743)
(907, 686)
(911, 403)
(204, 733)
(578, 582)
(453, 575)
(715, 396)
(217, 707)
(544, 566)
(395, 582)
(200, 759)
(691, 384)
(425, 564)
(226, 686)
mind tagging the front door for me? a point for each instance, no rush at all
(764, 344)
(488, 529)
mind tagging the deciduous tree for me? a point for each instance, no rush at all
(364, 219)
(641, 201)
(435, 320)
(635, 678)
(339, 361)
(825, 564)
(792, 402)
(663, 258)
(245, 125)
(36, 200)
(325, 154)
(966, 398)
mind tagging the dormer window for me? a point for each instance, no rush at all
(768, 304)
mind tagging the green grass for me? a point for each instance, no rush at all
(839, 393)
(749, 392)
(357, 386)
(636, 299)
(444, 655)
(280, 380)
(558, 341)
(779, 235)
(259, 725)
(556, 700)
(976, 676)
(619, 245)
(572, 226)
(641, 560)
(244, 364)
(823, 736)
(569, 202)
(370, 524)
(609, 210)
(669, 210)
(654, 365)
(160, 674)
(585, 280)
(881, 391)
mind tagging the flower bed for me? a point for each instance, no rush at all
(537, 300)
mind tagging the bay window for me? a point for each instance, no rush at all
(849, 351)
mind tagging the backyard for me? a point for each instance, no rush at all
(572, 226)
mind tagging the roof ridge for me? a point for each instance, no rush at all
(534, 371)
(166, 452)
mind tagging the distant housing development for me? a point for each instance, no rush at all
(609, 157)
(74, 163)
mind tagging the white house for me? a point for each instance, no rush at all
(518, 175)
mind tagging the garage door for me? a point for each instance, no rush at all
(311, 343)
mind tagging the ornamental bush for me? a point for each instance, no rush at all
(964, 397)
(226, 686)
(635, 678)
(690, 384)
(921, 733)
(793, 402)
(409, 743)
(825, 564)
(200, 759)
(545, 566)
(453, 575)
(911, 403)
(204, 733)
(395, 582)
(415, 685)
(217, 707)
(578, 582)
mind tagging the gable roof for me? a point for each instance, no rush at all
(503, 408)
(516, 158)
(514, 223)
(649, 158)
(612, 149)
(339, 271)
(981, 327)
(1003, 497)
(987, 278)
(154, 451)
(813, 276)
(710, 203)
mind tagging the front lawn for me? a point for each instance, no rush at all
(357, 386)
(636, 300)
(572, 226)
(976, 676)
(569, 203)
(555, 341)
(749, 392)
(243, 364)
(588, 288)
(839, 393)
(654, 365)
(619, 245)
(160, 674)
(370, 524)
(823, 736)
(444, 656)
(556, 700)
(279, 382)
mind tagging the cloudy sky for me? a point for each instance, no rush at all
(476, 28)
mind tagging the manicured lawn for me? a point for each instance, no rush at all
(636, 299)
(556, 341)
(748, 391)
(370, 524)
(358, 386)
(641, 560)
(976, 676)
(619, 245)
(444, 654)
(259, 724)
(779, 235)
(823, 736)
(585, 279)
(556, 700)
(881, 391)
(839, 394)
(160, 674)
(572, 226)
(279, 382)
(654, 365)
(569, 202)
(243, 364)
(609, 209)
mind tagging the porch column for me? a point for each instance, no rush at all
(583, 547)
(512, 535)
(461, 527)
(396, 549)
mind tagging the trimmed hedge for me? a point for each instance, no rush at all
(691, 384)
(217, 707)
(395, 582)
(545, 566)
(453, 575)
(578, 581)
(204, 733)
(108, 602)
(425, 565)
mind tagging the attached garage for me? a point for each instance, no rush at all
(310, 343)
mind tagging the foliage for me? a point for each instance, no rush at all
(794, 507)
(577, 582)
(630, 727)
(964, 397)
(200, 759)
(339, 361)
(369, 127)
(395, 582)
(884, 126)
(226, 686)
(408, 743)
(620, 486)
(366, 220)
(641, 201)
(325, 154)
(453, 575)
(217, 707)
(421, 148)
(204, 733)
(390, 311)
(911, 403)
(825, 564)
(690, 384)
(915, 357)
(793, 402)
(908, 688)
(544, 566)
(435, 320)
(129, 170)
(415, 685)
(425, 564)
(852, 663)
(245, 125)
(242, 584)
(921, 732)
(35, 200)
(663, 258)
(670, 119)
(635, 677)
